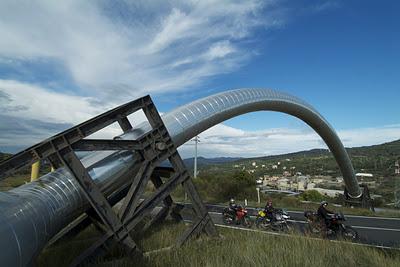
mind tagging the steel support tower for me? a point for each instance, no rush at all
(152, 148)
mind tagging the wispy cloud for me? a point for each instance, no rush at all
(28, 101)
(67, 61)
(122, 49)
(29, 114)
(222, 140)
(19, 133)
(325, 5)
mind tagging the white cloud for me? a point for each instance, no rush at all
(222, 140)
(177, 25)
(34, 113)
(34, 102)
(370, 136)
(326, 5)
(220, 50)
(29, 114)
(114, 49)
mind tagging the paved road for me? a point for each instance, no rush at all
(372, 230)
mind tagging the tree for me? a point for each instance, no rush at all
(312, 195)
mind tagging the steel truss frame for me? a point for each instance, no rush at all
(153, 148)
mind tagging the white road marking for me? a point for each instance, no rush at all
(312, 238)
(354, 226)
(350, 216)
(357, 216)
(376, 228)
(301, 212)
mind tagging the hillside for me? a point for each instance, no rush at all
(4, 156)
(373, 156)
(201, 161)
(377, 159)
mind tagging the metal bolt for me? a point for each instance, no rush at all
(161, 146)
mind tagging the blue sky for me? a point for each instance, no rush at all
(62, 63)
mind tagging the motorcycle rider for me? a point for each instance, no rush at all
(233, 207)
(269, 210)
(324, 213)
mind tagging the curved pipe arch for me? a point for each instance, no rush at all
(189, 120)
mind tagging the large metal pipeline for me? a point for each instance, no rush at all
(32, 214)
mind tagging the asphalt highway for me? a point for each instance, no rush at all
(377, 231)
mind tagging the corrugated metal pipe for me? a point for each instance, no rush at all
(32, 214)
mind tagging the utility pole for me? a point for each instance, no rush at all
(196, 140)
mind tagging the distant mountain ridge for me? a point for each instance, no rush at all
(382, 150)
(389, 149)
(378, 159)
(201, 161)
(386, 149)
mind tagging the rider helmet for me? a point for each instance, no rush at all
(232, 201)
(324, 203)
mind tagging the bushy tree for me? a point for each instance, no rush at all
(313, 195)
(220, 187)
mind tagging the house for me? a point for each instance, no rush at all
(284, 184)
(361, 176)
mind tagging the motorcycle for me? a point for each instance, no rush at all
(277, 223)
(240, 217)
(336, 229)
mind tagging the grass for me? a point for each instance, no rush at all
(236, 248)
(255, 249)
(14, 181)
(63, 252)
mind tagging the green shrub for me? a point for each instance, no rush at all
(312, 195)
(220, 187)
